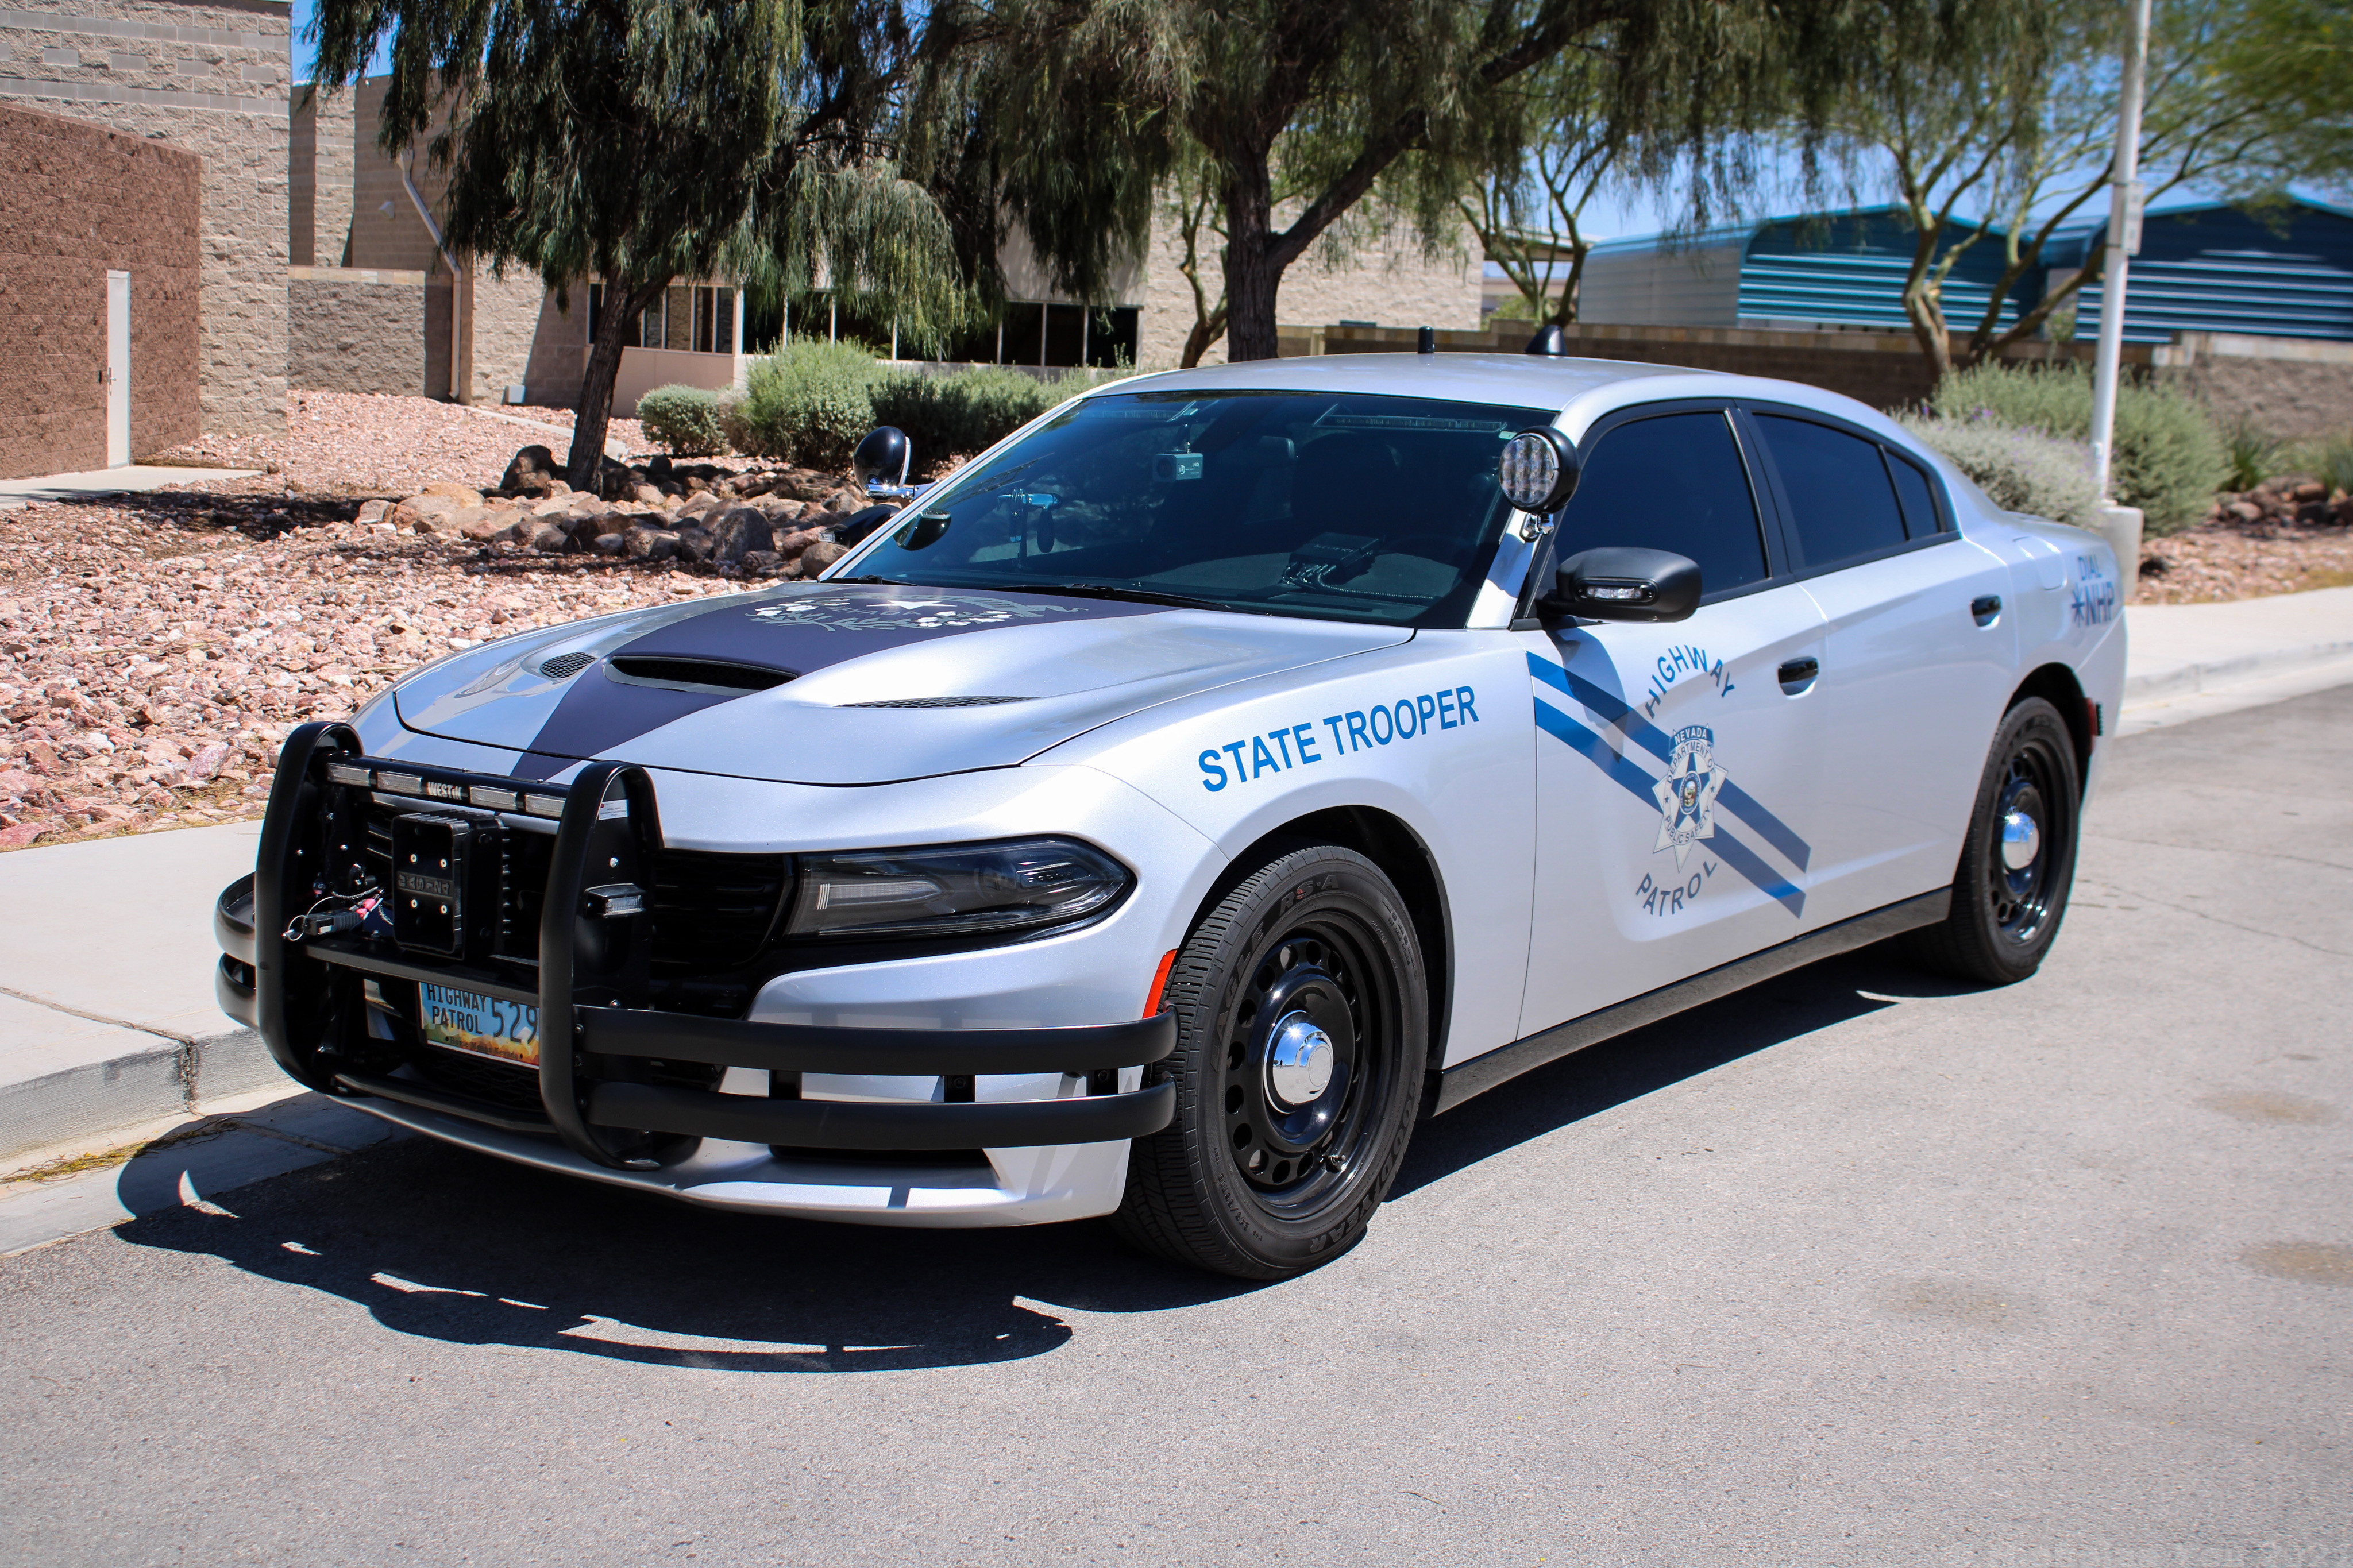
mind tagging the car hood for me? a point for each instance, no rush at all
(872, 683)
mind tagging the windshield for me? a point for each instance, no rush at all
(1338, 506)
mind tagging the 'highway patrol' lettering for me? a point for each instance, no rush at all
(1278, 750)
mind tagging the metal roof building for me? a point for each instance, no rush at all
(2213, 268)
(1839, 268)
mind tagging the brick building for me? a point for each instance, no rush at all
(208, 77)
(98, 294)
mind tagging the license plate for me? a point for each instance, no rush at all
(486, 1026)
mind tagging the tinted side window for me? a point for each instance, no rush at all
(1919, 501)
(1838, 487)
(1671, 482)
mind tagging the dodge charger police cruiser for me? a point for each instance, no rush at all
(1161, 816)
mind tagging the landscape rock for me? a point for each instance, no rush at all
(463, 495)
(820, 555)
(741, 530)
(646, 494)
(534, 468)
(610, 543)
(697, 544)
(650, 543)
(372, 512)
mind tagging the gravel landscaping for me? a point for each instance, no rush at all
(155, 648)
(2287, 535)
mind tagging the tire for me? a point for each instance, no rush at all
(2005, 915)
(1307, 968)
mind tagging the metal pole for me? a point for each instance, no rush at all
(2124, 238)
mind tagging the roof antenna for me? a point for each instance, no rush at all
(1549, 342)
(1428, 343)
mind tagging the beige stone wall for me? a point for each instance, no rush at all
(386, 233)
(354, 330)
(209, 79)
(318, 181)
(2289, 389)
(1384, 278)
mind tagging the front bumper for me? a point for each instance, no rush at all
(621, 1093)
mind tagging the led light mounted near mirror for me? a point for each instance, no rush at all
(882, 461)
(1537, 471)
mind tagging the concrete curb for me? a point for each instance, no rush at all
(90, 1102)
(2208, 676)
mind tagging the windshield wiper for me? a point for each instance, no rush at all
(1116, 591)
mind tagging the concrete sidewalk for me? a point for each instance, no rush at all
(109, 1030)
(100, 483)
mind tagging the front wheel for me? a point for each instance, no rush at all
(1302, 1029)
(2018, 860)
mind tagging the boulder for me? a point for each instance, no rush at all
(698, 503)
(742, 531)
(455, 492)
(543, 536)
(645, 494)
(757, 563)
(847, 499)
(644, 544)
(409, 515)
(820, 555)
(372, 513)
(534, 469)
(481, 524)
(790, 545)
(551, 507)
(609, 544)
(697, 544)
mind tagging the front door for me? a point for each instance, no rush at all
(1676, 767)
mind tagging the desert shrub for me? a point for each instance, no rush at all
(2330, 462)
(971, 410)
(2022, 470)
(2251, 455)
(2169, 459)
(807, 403)
(683, 419)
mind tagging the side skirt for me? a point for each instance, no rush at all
(1451, 1086)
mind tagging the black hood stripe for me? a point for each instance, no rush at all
(799, 633)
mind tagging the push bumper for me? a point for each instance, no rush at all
(596, 1035)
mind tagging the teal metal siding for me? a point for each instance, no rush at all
(1849, 269)
(2215, 269)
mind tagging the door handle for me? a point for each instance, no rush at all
(1986, 608)
(1798, 673)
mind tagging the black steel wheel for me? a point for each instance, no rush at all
(2018, 860)
(1303, 1027)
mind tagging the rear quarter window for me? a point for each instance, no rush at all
(1843, 504)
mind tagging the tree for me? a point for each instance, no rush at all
(1085, 105)
(1575, 149)
(2020, 121)
(2294, 58)
(640, 142)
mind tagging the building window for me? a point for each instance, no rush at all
(689, 318)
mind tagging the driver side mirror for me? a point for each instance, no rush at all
(1625, 583)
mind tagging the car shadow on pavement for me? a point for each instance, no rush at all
(445, 1244)
(1686, 1045)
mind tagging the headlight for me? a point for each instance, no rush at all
(958, 889)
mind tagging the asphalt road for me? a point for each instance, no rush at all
(1857, 1268)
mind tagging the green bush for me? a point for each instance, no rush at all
(2251, 455)
(684, 420)
(807, 404)
(2022, 470)
(2330, 462)
(2169, 458)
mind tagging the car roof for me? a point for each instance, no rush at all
(1578, 389)
(1526, 381)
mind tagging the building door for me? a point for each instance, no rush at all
(118, 369)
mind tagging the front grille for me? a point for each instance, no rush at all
(503, 1085)
(715, 912)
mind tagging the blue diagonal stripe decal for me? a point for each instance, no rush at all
(1658, 742)
(1638, 784)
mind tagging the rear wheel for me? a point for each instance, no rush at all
(2018, 860)
(1302, 1029)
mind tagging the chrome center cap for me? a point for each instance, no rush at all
(1299, 1063)
(2021, 841)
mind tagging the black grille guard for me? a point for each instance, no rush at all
(307, 1006)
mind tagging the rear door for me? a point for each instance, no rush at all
(1675, 767)
(1914, 674)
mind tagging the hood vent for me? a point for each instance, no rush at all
(937, 703)
(695, 675)
(565, 666)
